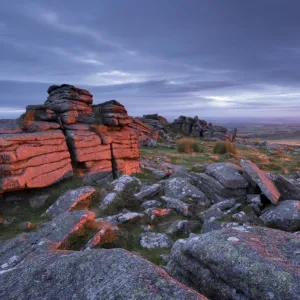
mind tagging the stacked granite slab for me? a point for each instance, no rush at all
(117, 129)
(32, 159)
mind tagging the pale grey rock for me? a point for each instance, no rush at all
(285, 216)
(239, 263)
(108, 274)
(152, 240)
(151, 203)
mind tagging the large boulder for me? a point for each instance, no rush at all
(239, 263)
(285, 216)
(228, 174)
(93, 274)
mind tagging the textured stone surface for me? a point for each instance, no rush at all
(31, 160)
(239, 263)
(259, 177)
(69, 200)
(183, 227)
(289, 188)
(93, 274)
(51, 236)
(152, 240)
(124, 217)
(215, 191)
(148, 191)
(285, 216)
(181, 188)
(229, 175)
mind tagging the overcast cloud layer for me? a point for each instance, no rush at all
(198, 57)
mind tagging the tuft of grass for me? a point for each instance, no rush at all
(224, 148)
(188, 145)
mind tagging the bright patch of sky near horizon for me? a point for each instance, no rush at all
(208, 58)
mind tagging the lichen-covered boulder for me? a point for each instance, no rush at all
(285, 216)
(92, 274)
(239, 263)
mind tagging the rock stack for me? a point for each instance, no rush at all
(156, 121)
(38, 151)
(199, 128)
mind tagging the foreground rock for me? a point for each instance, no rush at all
(285, 216)
(52, 235)
(95, 274)
(259, 177)
(253, 263)
(69, 200)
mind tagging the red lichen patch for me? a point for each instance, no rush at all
(298, 205)
(162, 211)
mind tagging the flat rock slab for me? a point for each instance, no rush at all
(152, 240)
(253, 263)
(228, 174)
(260, 178)
(94, 274)
(180, 188)
(284, 216)
(69, 200)
(123, 217)
(51, 236)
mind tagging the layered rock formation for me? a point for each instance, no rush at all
(156, 121)
(98, 139)
(33, 160)
(198, 128)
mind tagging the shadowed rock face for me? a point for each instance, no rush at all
(239, 263)
(93, 274)
(67, 128)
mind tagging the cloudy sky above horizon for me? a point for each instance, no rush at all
(211, 58)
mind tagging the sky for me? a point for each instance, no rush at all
(211, 58)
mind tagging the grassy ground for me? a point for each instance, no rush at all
(275, 161)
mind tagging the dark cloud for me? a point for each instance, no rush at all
(175, 57)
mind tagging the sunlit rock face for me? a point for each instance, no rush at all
(65, 135)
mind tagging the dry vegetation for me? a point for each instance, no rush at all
(272, 161)
(188, 145)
